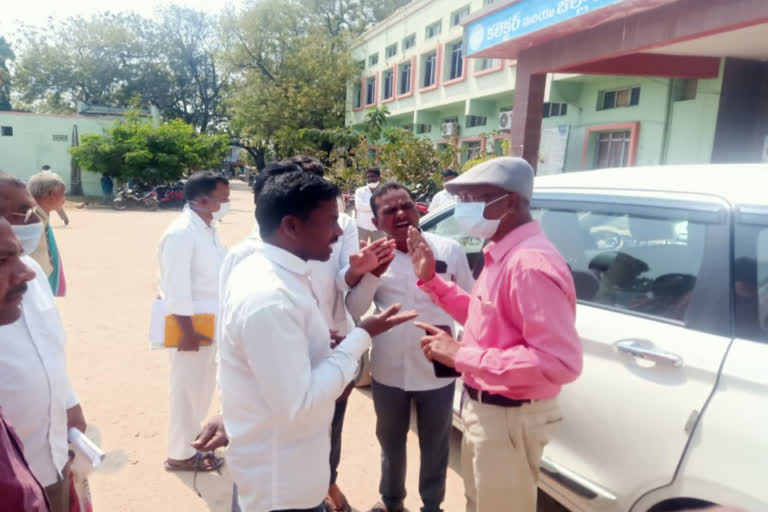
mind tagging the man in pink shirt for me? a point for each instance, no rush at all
(519, 346)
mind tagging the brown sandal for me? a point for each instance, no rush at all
(198, 463)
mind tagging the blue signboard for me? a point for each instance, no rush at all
(526, 17)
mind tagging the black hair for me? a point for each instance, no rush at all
(46, 167)
(309, 164)
(373, 169)
(450, 173)
(384, 189)
(202, 183)
(270, 171)
(294, 194)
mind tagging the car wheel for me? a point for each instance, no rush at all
(363, 376)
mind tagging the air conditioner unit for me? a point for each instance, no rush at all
(449, 129)
(505, 120)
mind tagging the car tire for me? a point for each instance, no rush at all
(363, 375)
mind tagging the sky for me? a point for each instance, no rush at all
(37, 12)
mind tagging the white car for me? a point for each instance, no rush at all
(671, 271)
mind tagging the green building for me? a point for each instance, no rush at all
(663, 110)
(29, 141)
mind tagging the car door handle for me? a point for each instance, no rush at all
(635, 348)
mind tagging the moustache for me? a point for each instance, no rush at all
(16, 291)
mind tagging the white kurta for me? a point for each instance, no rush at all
(190, 260)
(35, 390)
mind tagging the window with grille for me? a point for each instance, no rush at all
(423, 128)
(474, 149)
(373, 60)
(474, 121)
(612, 149)
(458, 16)
(391, 50)
(6, 131)
(485, 64)
(409, 42)
(370, 91)
(387, 84)
(555, 110)
(358, 95)
(628, 97)
(405, 78)
(430, 69)
(434, 29)
(456, 65)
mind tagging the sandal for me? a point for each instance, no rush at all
(197, 463)
(330, 507)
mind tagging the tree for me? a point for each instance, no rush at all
(6, 54)
(409, 159)
(353, 16)
(112, 59)
(135, 149)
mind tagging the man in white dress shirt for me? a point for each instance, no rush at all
(190, 257)
(367, 231)
(36, 394)
(279, 376)
(443, 197)
(401, 373)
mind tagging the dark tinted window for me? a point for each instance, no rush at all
(750, 282)
(630, 262)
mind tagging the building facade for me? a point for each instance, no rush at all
(639, 111)
(28, 141)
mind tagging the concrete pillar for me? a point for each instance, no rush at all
(526, 116)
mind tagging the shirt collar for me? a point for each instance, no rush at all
(197, 221)
(497, 250)
(285, 259)
(42, 214)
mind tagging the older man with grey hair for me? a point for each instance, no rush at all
(49, 190)
(520, 344)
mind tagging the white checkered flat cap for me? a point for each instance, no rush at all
(509, 173)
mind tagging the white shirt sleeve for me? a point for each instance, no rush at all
(360, 298)
(362, 206)
(274, 341)
(176, 262)
(350, 244)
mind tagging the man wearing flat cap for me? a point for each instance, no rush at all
(519, 346)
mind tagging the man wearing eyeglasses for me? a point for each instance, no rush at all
(36, 394)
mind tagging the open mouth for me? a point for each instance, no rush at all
(402, 225)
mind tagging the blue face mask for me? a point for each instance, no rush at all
(470, 218)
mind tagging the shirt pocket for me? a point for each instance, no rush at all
(482, 319)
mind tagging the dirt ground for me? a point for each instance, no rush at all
(111, 269)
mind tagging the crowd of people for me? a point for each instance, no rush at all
(294, 306)
(309, 290)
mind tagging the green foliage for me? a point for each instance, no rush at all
(135, 149)
(409, 159)
(110, 59)
(6, 54)
(487, 156)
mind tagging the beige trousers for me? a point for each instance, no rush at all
(501, 453)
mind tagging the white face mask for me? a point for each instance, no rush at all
(373, 185)
(29, 235)
(470, 218)
(222, 211)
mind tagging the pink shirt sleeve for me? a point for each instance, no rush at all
(447, 295)
(552, 351)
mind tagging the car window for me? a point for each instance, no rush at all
(750, 282)
(446, 225)
(630, 262)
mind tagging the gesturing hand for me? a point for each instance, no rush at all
(387, 319)
(372, 256)
(438, 345)
(212, 436)
(422, 257)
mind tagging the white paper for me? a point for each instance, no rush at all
(157, 322)
(86, 447)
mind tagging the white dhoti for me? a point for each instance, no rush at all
(192, 383)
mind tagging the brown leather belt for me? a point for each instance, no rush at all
(491, 399)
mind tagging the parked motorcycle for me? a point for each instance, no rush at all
(135, 198)
(171, 196)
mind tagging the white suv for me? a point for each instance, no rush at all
(671, 271)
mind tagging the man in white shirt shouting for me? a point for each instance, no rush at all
(401, 373)
(190, 258)
(365, 227)
(36, 393)
(279, 376)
